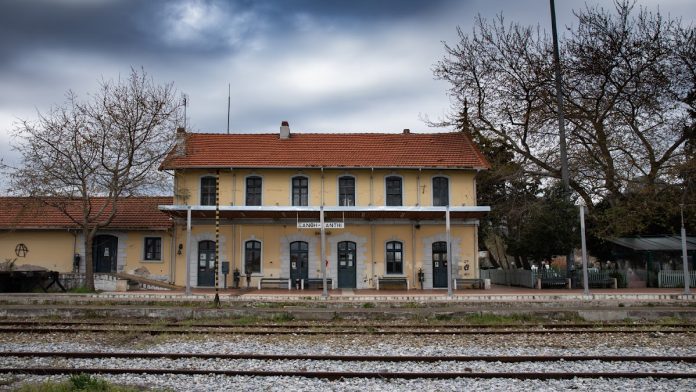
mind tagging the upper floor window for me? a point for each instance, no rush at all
(153, 248)
(395, 257)
(208, 191)
(253, 191)
(440, 191)
(300, 191)
(346, 191)
(393, 185)
(252, 257)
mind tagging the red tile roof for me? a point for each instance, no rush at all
(392, 150)
(133, 213)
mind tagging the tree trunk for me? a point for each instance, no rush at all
(89, 256)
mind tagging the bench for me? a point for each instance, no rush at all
(472, 282)
(601, 280)
(317, 283)
(392, 283)
(276, 283)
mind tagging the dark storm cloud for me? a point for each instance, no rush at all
(133, 26)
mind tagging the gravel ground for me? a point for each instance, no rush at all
(484, 345)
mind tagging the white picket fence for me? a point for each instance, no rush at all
(673, 279)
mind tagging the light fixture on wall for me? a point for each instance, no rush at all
(181, 246)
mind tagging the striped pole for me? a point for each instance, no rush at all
(216, 301)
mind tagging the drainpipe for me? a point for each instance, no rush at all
(322, 187)
(372, 173)
(418, 194)
(414, 278)
(234, 187)
(372, 239)
(172, 254)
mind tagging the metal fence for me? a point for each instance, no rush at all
(528, 278)
(671, 279)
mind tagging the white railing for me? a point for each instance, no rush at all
(673, 279)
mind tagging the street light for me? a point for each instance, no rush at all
(685, 256)
(585, 278)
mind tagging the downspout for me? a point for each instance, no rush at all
(414, 278)
(321, 202)
(418, 195)
(234, 227)
(172, 254)
(372, 248)
(372, 173)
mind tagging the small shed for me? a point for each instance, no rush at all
(645, 257)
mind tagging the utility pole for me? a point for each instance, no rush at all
(565, 176)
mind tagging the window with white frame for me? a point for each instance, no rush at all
(393, 189)
(153, 248)
(208, 191)
(300, 191)
(253, 190)
(395, 257)
(346, 191)
(252, 257)
(440, 191)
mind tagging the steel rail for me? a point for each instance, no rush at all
(355, 358)
(159, 331)
(395, 326)
(342, 375)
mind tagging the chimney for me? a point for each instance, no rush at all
(285, 130)
(180, 142)
(406, 131)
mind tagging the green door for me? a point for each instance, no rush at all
(439, 264)
(104, 253)
(346, 264)
(299, 260)
(206, 263)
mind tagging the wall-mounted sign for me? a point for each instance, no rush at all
(317, 225)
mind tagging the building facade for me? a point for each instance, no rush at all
(36, 234)
(388, 202)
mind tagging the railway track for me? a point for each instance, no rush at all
(230, 330)
(210, 368)
(338, 325)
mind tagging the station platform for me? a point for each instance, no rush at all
(497, 293)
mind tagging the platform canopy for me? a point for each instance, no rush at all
(661, 243)
(331, 212)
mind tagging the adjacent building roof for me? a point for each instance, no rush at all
(663, 243)
(133, 213)
(303, 150)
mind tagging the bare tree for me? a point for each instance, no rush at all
(94, 153)
(629, 85)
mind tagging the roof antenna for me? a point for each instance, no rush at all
(185, 98)
(228, 107)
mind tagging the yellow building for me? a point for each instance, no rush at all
(388, 202)
(140, 236)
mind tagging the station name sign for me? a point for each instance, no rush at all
(317, 225)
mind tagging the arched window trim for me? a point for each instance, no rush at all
(260, 262)
(400, 263)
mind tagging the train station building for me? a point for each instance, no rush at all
(399, 206)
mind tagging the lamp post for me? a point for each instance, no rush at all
(565, 176)
(585, 278)
(685, 256)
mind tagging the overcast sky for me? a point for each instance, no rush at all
(325, 66)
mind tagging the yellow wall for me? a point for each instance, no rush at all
(49, 249)
(417, 186)
(135, 250)
(275, 239)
